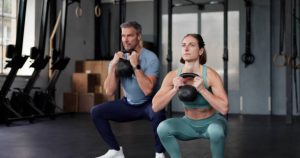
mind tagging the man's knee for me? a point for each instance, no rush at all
(159, 116)
(97, 110)
(93, 112)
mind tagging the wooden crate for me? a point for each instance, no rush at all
(70, 101)
(88, 100)
(98, 67)
(85, 83)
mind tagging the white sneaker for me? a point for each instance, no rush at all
(159, 155)
(113, 154)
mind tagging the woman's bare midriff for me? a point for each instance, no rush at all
(199, 113)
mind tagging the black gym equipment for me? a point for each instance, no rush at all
(102, 33)
(129, 51)
(295, 54)
(21, 99)
(281, 59)
(124, 67)
(7, 113)
(187, 93)
(45, 99)
(288, 48)
(248, 58)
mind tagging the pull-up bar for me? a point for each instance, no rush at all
(200, 5)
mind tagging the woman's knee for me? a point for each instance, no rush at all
(216, 132)
(163, 129)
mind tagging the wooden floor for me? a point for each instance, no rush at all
(76, 137)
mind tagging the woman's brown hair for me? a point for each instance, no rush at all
(201, 44)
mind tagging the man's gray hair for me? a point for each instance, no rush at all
(133, 24)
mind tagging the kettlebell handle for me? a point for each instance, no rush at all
(188, 74)
(129, 51)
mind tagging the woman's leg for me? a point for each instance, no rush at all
(172, 129)
(216, 132)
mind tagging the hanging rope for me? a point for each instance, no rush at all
(281, 59)
(295, 46)
(295, 55)
(248, 58)
(297, 26)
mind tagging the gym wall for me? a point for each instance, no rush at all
(262, 86)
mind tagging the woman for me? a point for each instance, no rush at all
(202, 118)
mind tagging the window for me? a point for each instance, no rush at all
(8, 29)
(213, 35)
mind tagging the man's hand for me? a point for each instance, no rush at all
(134, 59)
(116, 58)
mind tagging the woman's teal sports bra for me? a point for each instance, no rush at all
(200, 101)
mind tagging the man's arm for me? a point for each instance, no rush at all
(145, 82)
(111, 81)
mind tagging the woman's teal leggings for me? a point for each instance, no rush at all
(213, 128)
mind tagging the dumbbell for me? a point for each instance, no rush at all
(124, 68)
(187, 93)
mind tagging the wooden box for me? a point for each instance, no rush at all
(70, 101)
(93, 66)
(85, 83)
(88, 100)
(98, 67)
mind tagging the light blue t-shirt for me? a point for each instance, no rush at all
(150, 66)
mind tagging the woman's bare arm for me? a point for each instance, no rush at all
(165, 93)
(217, 98)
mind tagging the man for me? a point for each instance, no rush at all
(139, 88)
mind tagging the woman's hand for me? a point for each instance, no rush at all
(198, 83)
(177, 82)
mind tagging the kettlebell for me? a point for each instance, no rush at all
(187, 93)
(124, 68)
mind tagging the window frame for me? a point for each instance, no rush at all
(28, 37)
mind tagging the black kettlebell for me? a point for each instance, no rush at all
(187, 92)
(124, 68)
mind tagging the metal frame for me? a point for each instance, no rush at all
(41, 61)
(16, 63)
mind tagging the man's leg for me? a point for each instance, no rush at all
(118, 111)
(155, 118)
